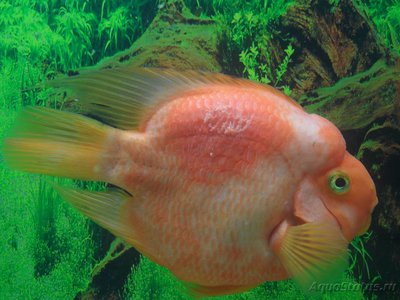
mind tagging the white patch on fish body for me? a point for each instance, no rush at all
(237, 126)
(307, 150)
(218, 111)
(155, 126)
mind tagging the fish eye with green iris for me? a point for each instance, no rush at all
(180, 149)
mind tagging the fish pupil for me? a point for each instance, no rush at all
(340, 182)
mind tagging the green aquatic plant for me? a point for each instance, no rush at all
(121, 22)
(386, 16)
(116, 28)
(334, 4)
(367, 145)
(247, 31)
(229, 7)
(45, 252)
(40, 38)
(260, 72)
(254, 22)
(244, 26)
(29, 50)
(76, 27)
(252, 69)
(61, 34)
(390, 27)
(151, 281)
(25, 35)
(360, 258)
(283, 66)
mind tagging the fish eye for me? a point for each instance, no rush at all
(339, 183)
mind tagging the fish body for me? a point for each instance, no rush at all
(217, 169)
(225, 178)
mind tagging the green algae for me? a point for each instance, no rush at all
(374, 95)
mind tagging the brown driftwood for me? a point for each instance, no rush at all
(358, 101)
(330, 43)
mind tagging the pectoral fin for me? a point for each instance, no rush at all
(314, 252)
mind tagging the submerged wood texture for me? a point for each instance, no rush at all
(331, 42)
(357, 101)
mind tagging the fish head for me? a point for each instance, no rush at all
(344, 196)
(330, 208)
(349, 193)
(339, 190)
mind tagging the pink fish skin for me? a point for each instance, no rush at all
(227, 179)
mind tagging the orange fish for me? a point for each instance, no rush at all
(225, 182)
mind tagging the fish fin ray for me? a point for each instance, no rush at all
(314, 252)
(122, 96)
(107, 209)
(57, 143)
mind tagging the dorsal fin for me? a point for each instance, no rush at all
(121, 96)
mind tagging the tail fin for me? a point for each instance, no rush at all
(57, 143)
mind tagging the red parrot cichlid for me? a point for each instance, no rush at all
(226, 182)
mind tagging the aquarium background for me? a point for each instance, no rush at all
(337, 58)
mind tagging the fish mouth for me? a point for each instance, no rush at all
(364, 228)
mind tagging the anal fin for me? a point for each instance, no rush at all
(104, 208)
(109, 210)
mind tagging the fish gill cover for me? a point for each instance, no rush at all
(337, 58)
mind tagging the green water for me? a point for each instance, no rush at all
(50, 251)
